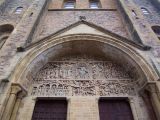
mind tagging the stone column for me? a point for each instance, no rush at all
(134, 112)
(16, 106)
(68, 107)
(156, 104)
(97, 107)
(153, 91)
(158, 87)
(15, 88)
(28, 108)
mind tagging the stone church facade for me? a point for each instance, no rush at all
(80, 60)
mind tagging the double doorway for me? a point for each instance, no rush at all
(109, 109)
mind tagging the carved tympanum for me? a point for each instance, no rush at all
(82, 77)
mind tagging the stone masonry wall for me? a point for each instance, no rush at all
(83, 109)
(8, 15)
(53, 21)
(154, 16)
(57, 20)
(21, 34)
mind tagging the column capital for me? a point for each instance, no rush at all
(152, 87)
(21, 94)
(68, 99)
(131, 100)
(15, 88)
(97, 98)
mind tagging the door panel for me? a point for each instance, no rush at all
(50, 110)
(115, 110)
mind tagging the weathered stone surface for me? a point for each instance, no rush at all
(104, 19)
(111, 68)
(153, 17)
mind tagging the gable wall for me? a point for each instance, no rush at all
(57, 20)
(51, 21)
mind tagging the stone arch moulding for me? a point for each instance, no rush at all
(117, 50)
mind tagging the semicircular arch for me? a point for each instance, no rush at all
(111, 48)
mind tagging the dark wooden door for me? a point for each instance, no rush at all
(50, 110)
(115, 110)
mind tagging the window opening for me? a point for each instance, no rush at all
(70, 4)
(156, 29)
(145, 11)
(94, 4)
(5, 31)
(18, 10)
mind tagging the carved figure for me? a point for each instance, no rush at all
(82, 72)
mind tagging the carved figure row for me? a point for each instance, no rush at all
(81, 88)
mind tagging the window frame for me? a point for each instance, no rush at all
(18, 10)
(96, 2)
(145, 11)
(67, 2)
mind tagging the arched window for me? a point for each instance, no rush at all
(7, 28)
(94, 4)
(145, 11)
(5, 31)
(69, 4)
(156, 30)
(18, 10)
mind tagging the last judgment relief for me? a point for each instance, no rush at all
(82, 76)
